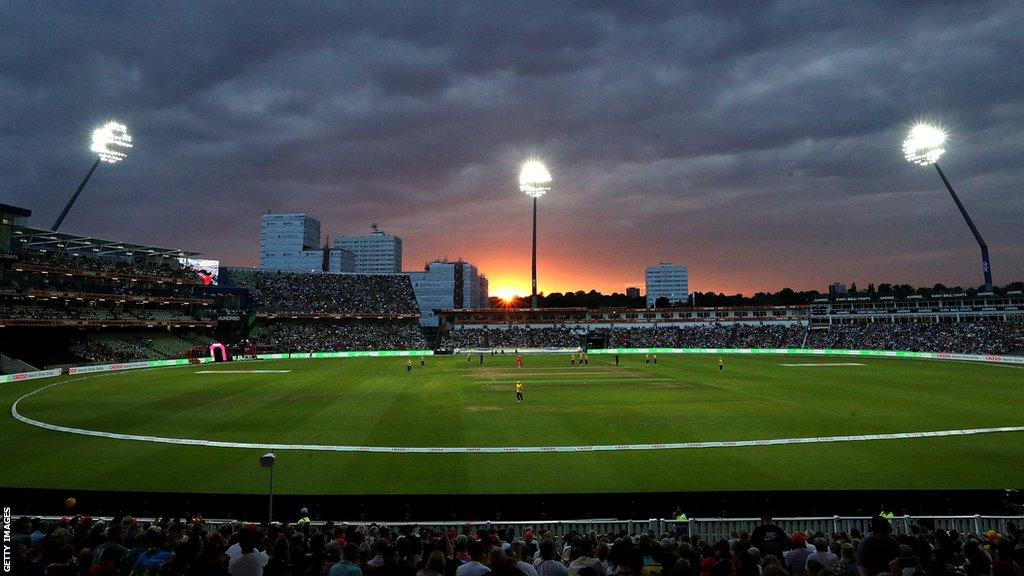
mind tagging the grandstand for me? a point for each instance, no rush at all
(311, 312)
(986, 324)
(312, 293)
(68, 299)
(329, 335)
(935, 308)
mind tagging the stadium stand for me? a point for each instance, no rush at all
(306, 312)
(57, 282)
(794, 547)
(78, 263)
(959, 337)
(326, 293)
(105, 347)
(67, 299)
(512, 337)
(339, 335)
(692, 336)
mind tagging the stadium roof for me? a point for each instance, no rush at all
(39, 239)
(15, 210)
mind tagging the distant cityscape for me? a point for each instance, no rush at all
(291, 242)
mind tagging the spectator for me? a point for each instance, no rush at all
(795, 559)
(348, 566)
(436, 566)
(769, 538)
(475, 566)
(548, 564)
(877, 550)
(250, 560)
(822, 554)
(847, 561)
(113, 548)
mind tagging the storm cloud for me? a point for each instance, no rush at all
(759, 143)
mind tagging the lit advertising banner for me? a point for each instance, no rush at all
(995, 358)
(133, 365)
(353, 354)
(22, 376)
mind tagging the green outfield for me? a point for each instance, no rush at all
(455, 404)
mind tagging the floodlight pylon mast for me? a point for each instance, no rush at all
(534, 181)
(71, 202)
(985, 265)
(533, 299)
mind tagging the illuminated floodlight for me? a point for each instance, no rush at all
(111, 141)
(924, 145)
(534, 179)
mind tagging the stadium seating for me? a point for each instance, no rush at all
(328, 293)
(513, 337)
(960, 337)
(105, 347)
(336, 336)
(51, 259)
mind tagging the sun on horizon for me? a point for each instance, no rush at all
(506, 294)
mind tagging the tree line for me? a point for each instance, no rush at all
(785, 297)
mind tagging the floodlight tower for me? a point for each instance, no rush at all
(534, 181)
(109, 143)
(924, 145)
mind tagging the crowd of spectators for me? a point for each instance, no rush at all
(513, 338)
(707, 336)
(338, 336)
(65, 312)
(128, 346)
(111, 350)
(166, 269)
(338, 293)
(712, 335)
(83, 546)
(120, 287)
(958, 337)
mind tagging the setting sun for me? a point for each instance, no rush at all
(506, 294)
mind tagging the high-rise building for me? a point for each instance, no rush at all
(837, 289)
(291, 242)
(448, 285)
(667, 280)
(375, 253)
(632, 292)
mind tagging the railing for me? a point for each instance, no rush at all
(708, 529)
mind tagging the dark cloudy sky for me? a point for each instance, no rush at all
(759, 143)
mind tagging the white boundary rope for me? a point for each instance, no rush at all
(489, 449)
